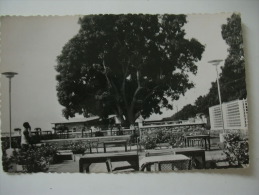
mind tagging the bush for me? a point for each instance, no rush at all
(149, 142)
(236, 149)
(6, 162)
(76, 147)
(98, 134)
(163, 136)
(177, 140)
(134, 137)
(33, 159)
(16, 143)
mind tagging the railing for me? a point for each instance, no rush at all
(99, 140)
(88, 133)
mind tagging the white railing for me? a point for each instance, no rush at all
(234, 115)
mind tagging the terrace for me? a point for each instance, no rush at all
(203, 150)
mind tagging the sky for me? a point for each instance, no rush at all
(30, 46)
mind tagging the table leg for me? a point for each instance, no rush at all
(81, 168)
(209, 142)
(104, 147)
(205, 143)
(203, 160)
(87, 167)
(125, 147)
(84, 167)
(134, 163)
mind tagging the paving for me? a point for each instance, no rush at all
(72, 166)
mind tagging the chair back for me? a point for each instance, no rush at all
(174, 165)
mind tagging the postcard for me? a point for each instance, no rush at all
(123, 93)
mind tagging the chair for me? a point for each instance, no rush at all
(174, 165)
(118, 169)
(93, 144)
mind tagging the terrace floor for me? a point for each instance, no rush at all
(72, 166)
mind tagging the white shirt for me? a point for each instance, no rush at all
(23, 138)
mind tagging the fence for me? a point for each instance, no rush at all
(234, 115)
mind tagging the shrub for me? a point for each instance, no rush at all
(134, 137)
(148, 142)
(16, 143)
(163, 136)
(236, 149)
(177, 140)
(33, 159)
(6, 162)
(76, 147)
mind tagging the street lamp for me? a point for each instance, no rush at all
(10, 75)
(216, 63)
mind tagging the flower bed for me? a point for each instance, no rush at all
(76, 147)
(153, 139)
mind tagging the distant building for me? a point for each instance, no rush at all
(234, 115)
(77, 125)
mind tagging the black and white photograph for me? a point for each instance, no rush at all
(123, 93)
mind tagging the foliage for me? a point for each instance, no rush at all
(233, 72)
(232, 77)
(33, 159)
(16, 143)
(134, 136)
(98, 134)
(128, 65)
(237, 149)
(185, 113)
(151, 140)
(148, 142)
(76, 147)
(7, 163)
(177, 140)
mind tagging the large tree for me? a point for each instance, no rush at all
(128, 65)
(186, 112)
(232, 77)
(232, 80)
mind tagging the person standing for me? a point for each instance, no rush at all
(25, 136)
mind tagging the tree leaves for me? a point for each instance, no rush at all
(232, 78)
(126, 65)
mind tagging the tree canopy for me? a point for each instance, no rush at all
(128, 65)
(232, 78)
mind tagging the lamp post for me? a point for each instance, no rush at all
(10, 75)
(216, 63)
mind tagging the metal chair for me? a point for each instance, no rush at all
(174, 165)
(118, 169)
(167, 165)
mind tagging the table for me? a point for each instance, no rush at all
(115, 142)
(146, 162)
(187, 139)
(191, 152)
(85, 161)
